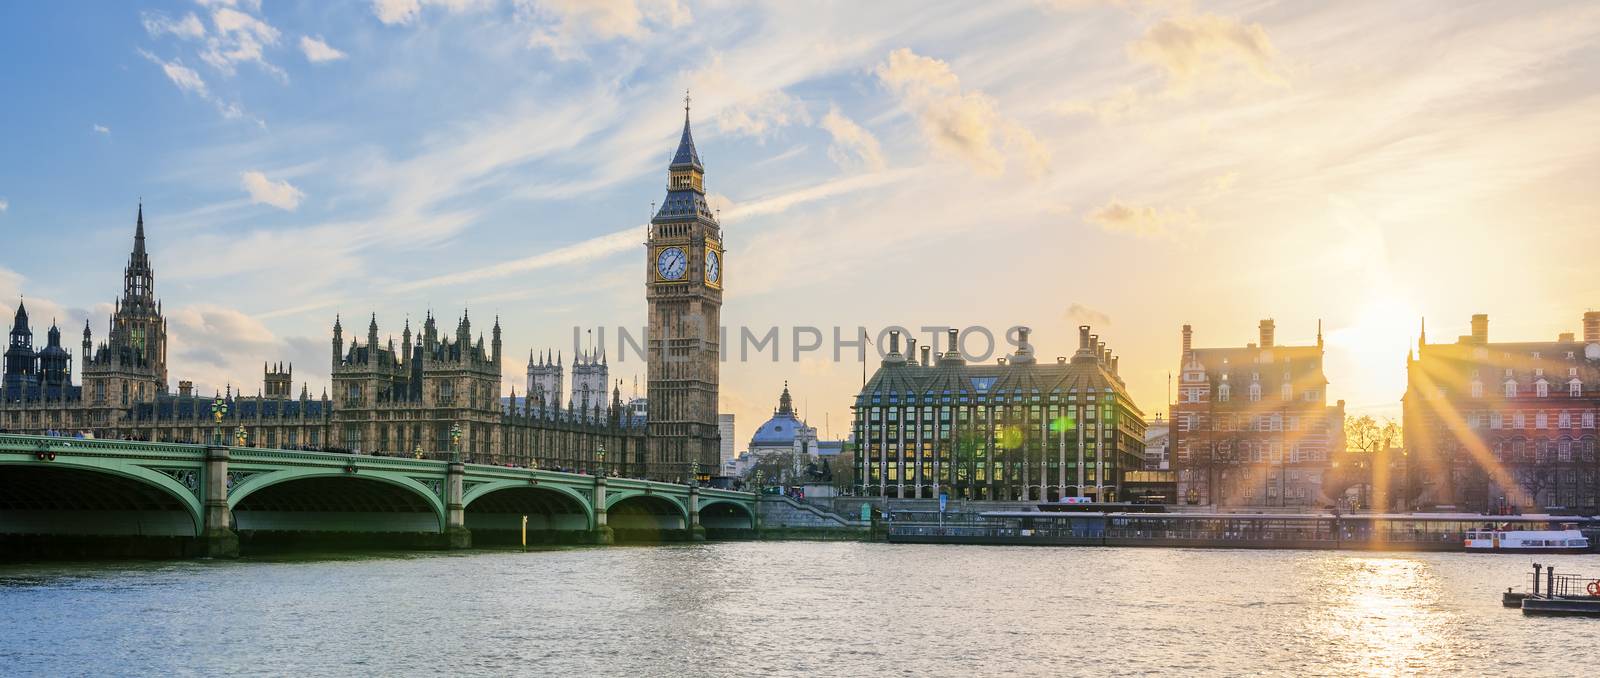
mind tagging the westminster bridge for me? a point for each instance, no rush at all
(70, 496)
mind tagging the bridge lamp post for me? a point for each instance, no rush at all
(760, 476)
(694, 473)
(241, 435)
(455, 442)
(219, 409)
(600, 457)
(418, 451)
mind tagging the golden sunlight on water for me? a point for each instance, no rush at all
(1379, 616)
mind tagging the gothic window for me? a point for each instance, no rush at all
(1542, 389)
(1288, 391)
(1517, 420)
(1477, 389)
(1541, 420)
(1575, 388)
(1511, 389)
(1564, 420)
(1223, 392)
(1255, 392)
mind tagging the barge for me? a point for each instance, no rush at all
(1113, 526)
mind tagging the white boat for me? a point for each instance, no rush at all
(1525, 541)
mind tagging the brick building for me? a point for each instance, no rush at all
(1252, 426)
(1504, 426)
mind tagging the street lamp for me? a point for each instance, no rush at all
(455, 442)
(760, 477)
(240, 435)
(694, 473)
(600, 458)
(219, 409)
(418, 451)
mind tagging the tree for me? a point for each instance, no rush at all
(844, 470)
(1366, 434)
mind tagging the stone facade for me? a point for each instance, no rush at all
(683, 277)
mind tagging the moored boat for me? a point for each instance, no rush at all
(1490, 540)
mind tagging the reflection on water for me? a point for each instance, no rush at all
(792, 609)
(1382, 614)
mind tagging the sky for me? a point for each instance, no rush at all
(1131, 165)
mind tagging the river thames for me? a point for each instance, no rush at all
(791, 609)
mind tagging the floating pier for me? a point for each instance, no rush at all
(1563, 594)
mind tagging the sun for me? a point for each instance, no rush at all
(1366, 358)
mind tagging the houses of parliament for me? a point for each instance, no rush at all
(438, 392)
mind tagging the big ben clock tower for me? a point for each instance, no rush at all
(683, 279)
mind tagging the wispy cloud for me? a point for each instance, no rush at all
(965, 124)
(1189, 48)
(279, 194)
(4, 205)
(851, 142)
(401, 12)
(189, 81)
(188, 28)
(1081, 314)
(318, 51)
(565, 27)
(101, 129)
(237, 38)
(587, 250)
(184, 77)
(1140, 220)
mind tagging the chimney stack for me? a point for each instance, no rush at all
(1114, 360)
(1480, 328)
(1188, 340)
(1267, 330)
(911, 350)
(1591, 327)
(925, 360)
(894, 342)
(1083, 337)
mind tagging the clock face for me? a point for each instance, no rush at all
(713, 266)
(672, 263)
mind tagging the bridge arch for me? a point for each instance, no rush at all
(333, 500)
(80, 496)
(493, 512)
(726, 514)
(641, 516)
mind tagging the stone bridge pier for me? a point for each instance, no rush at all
(217, 538)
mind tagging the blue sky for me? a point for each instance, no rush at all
(1134, 165)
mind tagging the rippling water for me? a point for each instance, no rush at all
(794, 608)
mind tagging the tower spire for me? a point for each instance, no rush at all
(686, 156)
(138, 230)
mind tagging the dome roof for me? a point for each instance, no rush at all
(779, 431)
